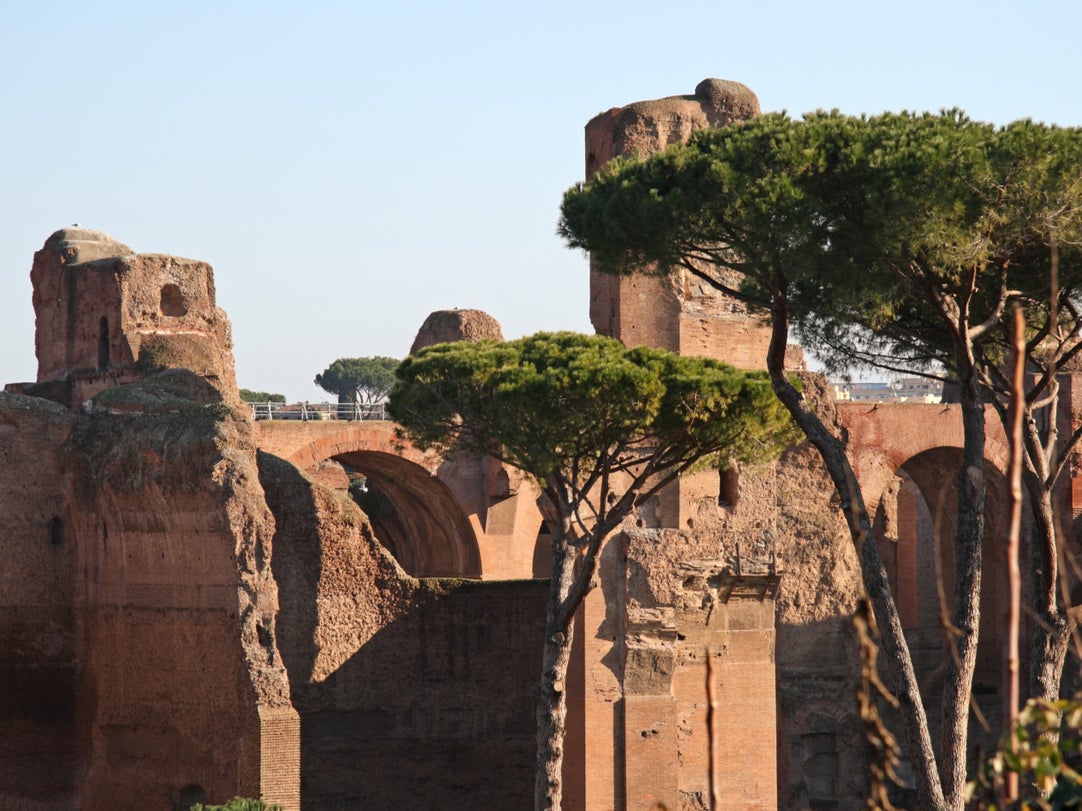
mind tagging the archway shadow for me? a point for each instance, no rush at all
(412, 693)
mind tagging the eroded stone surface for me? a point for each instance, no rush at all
(106, 315)
(778, 516)
(159, 645)
(444, 326)
(138, 591)
(679, 313)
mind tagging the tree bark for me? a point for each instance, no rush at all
(552, 695)
(873, 572)
(962, 641)
(1052, 628)
(1015, 413)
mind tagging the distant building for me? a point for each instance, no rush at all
(899, 390)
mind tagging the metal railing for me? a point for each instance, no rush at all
(319, 411)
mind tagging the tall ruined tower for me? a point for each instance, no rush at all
(680, 313)
(106, 315)
(679, 605)
(137, 601)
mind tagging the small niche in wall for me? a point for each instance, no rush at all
(56, 531)
(728, 486)
(820, 767)
(103, 342)
(173, 303)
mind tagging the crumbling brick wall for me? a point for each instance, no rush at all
(412, 693)
(782, 509)
(39, 748)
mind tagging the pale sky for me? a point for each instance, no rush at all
(349, 167)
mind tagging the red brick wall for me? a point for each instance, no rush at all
(176, 613)
(411, 693)
(39, 756)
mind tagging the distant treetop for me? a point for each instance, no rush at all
(249, 396)
(359, 380)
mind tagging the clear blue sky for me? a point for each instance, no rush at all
(349, 167)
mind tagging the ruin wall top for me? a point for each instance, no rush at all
(646, 127)
(103, 310)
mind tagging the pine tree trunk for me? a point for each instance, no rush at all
(961, 653)
(552, 695)
(1051, 627)
(873, 572)
(1051, 641)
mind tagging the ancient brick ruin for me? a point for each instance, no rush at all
(192, 608)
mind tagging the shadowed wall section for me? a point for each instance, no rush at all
(412, 693)
(39, 748)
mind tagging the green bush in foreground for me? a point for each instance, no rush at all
(238, 804)
(1043, 750)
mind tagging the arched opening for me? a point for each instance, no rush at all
(916, 526)
(103, 342)
(189, 796)
(728, 485)
(172, 301)
(414, 515)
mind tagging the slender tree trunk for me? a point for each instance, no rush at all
(962, 642)
(874, 574)
(1051, 641)
(1015, 413)
(1052, 629)
(552, 695)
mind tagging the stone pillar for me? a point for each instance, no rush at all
(908, 588)
(280, 757)
(593, 751)
(727, 619)
(651, 724)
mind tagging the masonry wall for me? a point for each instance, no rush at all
(100, 308)
(39, 747)
(778, 516)
(734, 630)
(412, 693)
(183, 695)
(681, 313)
(482, 521)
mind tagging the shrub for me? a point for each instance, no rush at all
(1042, 748)
(238, 804)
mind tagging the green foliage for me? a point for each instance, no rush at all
(249, 396)
(965, 215)
(1043, 749)
(745, 198)
(238, 804)
(602, 429)
(898, 241)
(569, 405)
(359, 380)
(870, 226)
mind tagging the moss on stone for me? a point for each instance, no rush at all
(195, 352)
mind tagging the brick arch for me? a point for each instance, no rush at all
(907, 457)
(883, 437)
(428, 531)
(915, 525)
